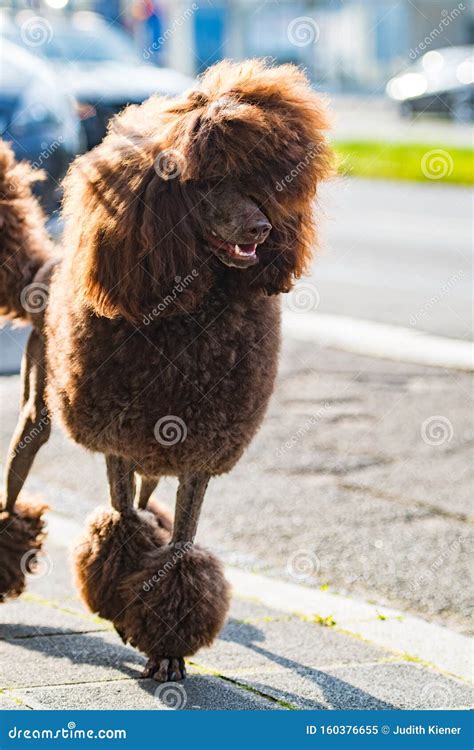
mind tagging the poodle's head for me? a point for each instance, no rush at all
(218, 184)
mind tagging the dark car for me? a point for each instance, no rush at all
(99, 65)
(441, 82)
(37, 117)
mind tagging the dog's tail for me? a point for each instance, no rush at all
(24, 242)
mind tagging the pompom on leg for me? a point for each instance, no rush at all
(174, 605)
(112, 546)
(167, 600)
(22, 532)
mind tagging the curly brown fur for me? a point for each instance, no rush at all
(24, 242)
(163, 599)
(21, 537)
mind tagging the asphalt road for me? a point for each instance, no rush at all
(398, 253)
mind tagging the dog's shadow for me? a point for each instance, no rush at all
(87, 647)
(91, 648)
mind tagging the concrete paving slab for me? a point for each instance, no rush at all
(27, 616)
(260, 645)
(56, 659)
(362, 687)
(395, 631)
(197, 693)
(407, 686)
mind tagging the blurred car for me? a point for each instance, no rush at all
(37, 118)
(442, 81)
(98, 64)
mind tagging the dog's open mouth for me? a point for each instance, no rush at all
(237, 255)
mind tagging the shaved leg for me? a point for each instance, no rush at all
(34, 425)
(189, 501)
(121, 476)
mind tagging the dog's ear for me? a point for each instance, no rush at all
(128, 225)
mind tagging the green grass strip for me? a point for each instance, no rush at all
(421, 162)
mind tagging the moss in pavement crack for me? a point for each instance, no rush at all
(35, 599)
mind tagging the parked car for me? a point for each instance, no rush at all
(37, 118)
(442, 82)
(99, 65)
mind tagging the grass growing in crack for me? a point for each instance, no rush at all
(279, 701)
(35, 599)
(12, 698)
(326, 622)
(249, 688)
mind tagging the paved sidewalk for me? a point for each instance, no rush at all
(56, 655)
(359, 483)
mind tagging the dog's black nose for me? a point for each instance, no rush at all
(259, 229)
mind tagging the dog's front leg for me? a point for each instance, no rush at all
(189, 501)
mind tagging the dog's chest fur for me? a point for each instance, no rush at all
(182, 393)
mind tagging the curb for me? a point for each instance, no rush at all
(379, 340)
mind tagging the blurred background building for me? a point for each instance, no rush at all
(360, 43)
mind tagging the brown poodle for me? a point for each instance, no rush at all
(158, 343)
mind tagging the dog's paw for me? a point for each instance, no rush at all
(165, 669)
